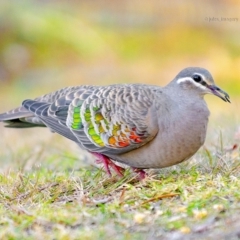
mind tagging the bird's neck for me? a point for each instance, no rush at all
(183, 96)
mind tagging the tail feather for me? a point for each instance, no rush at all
(17, 123)
(20, 118)
(16, 113)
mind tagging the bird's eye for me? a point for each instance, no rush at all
(197, 78)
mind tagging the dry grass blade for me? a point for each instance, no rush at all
(160, 197)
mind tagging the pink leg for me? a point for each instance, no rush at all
(107, 162)
(141, 173)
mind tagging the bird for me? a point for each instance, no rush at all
(139, 125)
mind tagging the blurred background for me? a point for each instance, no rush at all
(47, 44)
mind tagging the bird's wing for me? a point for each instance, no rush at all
(111, 120)
(115, 119)
(52, 109)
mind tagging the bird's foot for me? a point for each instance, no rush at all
(141, 173)
(107, 163)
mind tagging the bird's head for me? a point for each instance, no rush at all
(200, 80)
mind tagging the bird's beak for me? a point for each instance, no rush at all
(219, 92)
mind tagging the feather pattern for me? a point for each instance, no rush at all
(101, 119)
(107, 117)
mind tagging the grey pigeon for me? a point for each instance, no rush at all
(143, 126)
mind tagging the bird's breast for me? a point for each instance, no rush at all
(180, 135)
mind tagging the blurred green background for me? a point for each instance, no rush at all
(45, 45)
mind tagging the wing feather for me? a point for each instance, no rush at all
(41, 110)
(111, 120)
(116, 119)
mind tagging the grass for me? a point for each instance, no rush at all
(63, 200)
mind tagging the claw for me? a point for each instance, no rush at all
(141, 173)
(107, 162)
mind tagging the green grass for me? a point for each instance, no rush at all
(194, 199)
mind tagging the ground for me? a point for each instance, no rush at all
(51, 192)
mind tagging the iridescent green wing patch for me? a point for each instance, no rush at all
(76, 119)
(104, 133)
(93, 118)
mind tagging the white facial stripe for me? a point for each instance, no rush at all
(188, 79)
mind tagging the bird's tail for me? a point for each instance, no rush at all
(20, 118)
(24, 117)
